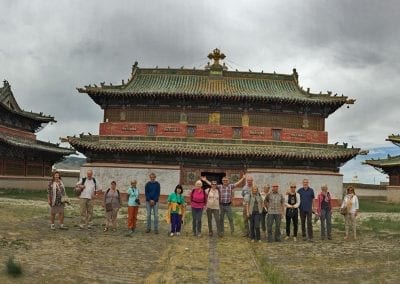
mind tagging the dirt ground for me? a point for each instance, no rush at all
(92, 256)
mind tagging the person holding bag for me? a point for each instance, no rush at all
(350, 204)
(55, 196)
(112, 203)
(324, 211)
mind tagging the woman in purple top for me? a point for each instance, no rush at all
(198, 200)
(112, 203)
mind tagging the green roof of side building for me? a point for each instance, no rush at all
(389, 161)
(8, 102)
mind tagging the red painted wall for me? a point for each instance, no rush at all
(17, 133)
(212, 131)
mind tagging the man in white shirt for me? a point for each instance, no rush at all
(87, 187)
(245, 194)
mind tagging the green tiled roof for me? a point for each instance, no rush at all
(395, 139)
(34, 145)
(8, 102)
(229, 85)
(384, 163)
(212, 147)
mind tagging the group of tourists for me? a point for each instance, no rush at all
(262, 209)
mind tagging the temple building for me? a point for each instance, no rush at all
(391, 167)
(25, 162)
(185, 123)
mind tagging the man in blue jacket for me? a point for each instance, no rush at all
(152, 192)
(306, 208)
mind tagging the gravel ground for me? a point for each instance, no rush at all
(92, 256)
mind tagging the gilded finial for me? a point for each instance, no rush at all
(216, 55)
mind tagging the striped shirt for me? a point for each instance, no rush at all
(226, 192)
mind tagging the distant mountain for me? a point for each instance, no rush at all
(71, 163)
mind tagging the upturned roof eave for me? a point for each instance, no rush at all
(210, 149)
(93, 93)
(38, 145)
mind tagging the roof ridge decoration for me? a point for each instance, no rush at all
(8, 102)
(216, 68)
(7, 97)
(215, 81)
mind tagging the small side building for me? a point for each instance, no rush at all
(390, 166)
(25, 162)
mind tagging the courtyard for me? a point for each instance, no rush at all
(92, 256)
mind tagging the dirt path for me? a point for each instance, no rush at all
(91, 256)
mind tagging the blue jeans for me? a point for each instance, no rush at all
(196, 217)
(153, 208)
(326, 220)
(176, 222)
(255, 219)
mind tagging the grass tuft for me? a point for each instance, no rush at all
(14, 268)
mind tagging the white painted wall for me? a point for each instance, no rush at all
(284, 178)
(123, 174)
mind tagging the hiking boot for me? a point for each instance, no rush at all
(52, 226)
(148, 231)
(286, 238)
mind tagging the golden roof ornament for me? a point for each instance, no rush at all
(216, 55)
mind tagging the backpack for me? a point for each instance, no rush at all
(78, 190)
(204, 194)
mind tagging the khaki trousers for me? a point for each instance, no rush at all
(86, 206)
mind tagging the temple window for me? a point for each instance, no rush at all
(191, 130)
(237, 132)
(276, 134)
(151, 129)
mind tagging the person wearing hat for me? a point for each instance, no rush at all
(292, 203)
(324, 211)
(275, 205)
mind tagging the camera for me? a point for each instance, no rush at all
(137, 201)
